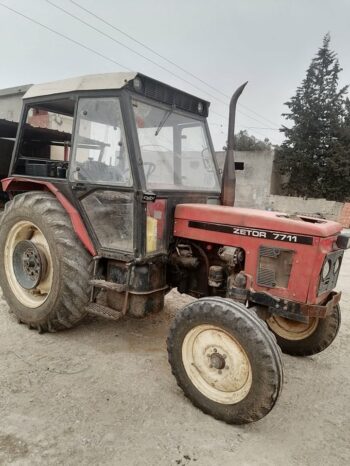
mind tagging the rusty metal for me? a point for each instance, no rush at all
(228, 184)
(107, 285)
(126, 298)
(186, 262)
(92, 293)
(321, 310)
(141, 293)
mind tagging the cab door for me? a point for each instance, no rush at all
(100, 174)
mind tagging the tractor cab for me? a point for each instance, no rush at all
(124, 149)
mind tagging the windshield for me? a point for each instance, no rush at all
(175, 149)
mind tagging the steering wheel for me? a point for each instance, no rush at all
(92, 170)
(151, 168)
(156, 145)
(206, 162)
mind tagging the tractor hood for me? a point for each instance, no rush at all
(210, 217)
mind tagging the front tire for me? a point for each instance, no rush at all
(305, 339)
(45, 269)
(225, 360)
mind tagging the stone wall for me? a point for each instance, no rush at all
(312, 207)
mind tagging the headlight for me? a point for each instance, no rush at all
(330, 271)
(326, 269)
(337, 265)
(137, 83)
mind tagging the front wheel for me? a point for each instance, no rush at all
(225, 360)
(305, 339)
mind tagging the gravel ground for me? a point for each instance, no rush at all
(103, 394)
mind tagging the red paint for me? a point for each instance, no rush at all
(254, 218)
(307, 261)
(27, 184)
(66, 153)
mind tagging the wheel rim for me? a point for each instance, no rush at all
(25, 240)
(291, 329)
(216, 364)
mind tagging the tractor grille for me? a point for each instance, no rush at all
(274, 267)
(330, 271)
(266, 277)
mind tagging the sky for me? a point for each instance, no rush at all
(269, 43)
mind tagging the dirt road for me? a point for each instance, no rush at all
(103, 394)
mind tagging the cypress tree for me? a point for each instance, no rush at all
(315, 154)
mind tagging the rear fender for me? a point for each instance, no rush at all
(26, 184)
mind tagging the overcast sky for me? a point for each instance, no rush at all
(269, 43)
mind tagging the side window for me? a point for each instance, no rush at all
(45, 144)
(100, 153)
(55, 141)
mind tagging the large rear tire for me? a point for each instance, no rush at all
(44, 268)
(225, 360)
(305, 339)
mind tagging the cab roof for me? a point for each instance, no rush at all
(149, 87)
(81, 83)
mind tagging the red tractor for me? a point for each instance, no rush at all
(114, 198)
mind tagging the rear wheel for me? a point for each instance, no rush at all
(225, 360)
(305, 339)
(45, 269)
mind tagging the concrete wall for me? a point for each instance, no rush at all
(11, 102)
(313, 207)
(253, 184)
(258, 184)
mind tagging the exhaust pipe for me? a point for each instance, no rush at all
(228, 182)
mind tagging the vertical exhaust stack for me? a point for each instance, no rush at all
(228, 183)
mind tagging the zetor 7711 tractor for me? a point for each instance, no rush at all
(114, 199)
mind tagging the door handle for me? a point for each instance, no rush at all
(79, 187)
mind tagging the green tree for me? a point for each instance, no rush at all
(246, 142)
(314, 154)
(347, 113)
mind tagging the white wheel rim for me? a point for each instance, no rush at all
(216, 364)
(25, 230)
(291, 329)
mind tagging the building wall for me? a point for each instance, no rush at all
(11, 102)
(253, 184)
(331, 210)
(258, 186)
